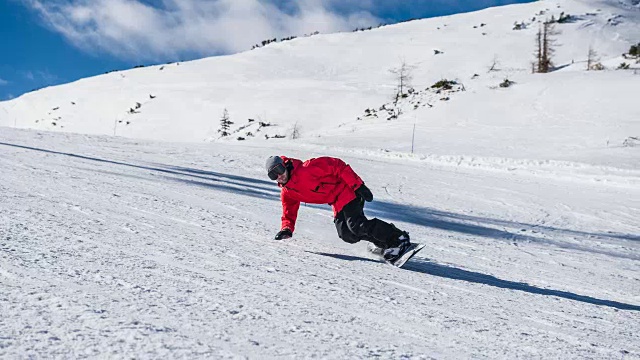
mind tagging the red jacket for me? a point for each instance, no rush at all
(323, 180)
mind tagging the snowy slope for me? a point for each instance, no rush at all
(157, 243)
(126, 248)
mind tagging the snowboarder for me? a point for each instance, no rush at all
(328, 180)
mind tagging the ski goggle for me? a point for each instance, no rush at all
(276, 171)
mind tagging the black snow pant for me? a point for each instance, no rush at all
(353, 226)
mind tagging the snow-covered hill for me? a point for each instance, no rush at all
(322, 84)
(527, 197)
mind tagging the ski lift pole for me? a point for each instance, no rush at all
(413, 135)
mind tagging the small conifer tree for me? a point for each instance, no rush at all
(592, 57)
(225, 123)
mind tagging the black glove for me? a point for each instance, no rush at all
(283, 234)
(364, 193)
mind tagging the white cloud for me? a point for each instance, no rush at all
(3, 82)
(133, 30)
(44, 77)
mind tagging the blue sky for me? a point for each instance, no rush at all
(49, 42)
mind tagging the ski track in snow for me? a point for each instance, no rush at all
(120, 248)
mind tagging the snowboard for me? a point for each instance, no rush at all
(399, 262)
(408, 254)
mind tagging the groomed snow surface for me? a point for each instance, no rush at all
(121, 248)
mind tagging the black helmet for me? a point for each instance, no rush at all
(275, 167)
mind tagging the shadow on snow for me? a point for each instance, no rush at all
(240, 184)
(449, 272)
(480, 226)
(442, 220)
(422, 216)
(343, 257)
(427, 267)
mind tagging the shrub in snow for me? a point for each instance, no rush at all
(565, 18)
(506, 83)
(444, 84)
(363, 29)
(370, 113)
(615, 20)
(264, 43)
(597, 66)
(631, 141)
(634, 50)
(623, 66)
